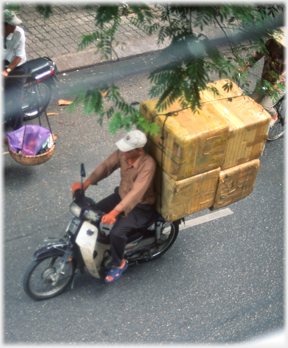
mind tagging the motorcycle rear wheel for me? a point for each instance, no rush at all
(40, 279)
(31, 100)
(168, 236)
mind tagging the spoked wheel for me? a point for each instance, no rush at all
(277, 130)
(168, 236)
(47, 278)
(32, 105)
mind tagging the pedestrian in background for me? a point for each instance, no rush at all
(274, 71)
(14, 64)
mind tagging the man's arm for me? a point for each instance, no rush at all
(143, 181)
(104, 169)
(145, 177)
(11, 66)
(20, 52)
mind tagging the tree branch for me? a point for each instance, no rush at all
(231, 47)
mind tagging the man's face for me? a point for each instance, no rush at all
(9, 29)
(133, 154)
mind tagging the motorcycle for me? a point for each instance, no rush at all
(42, 71)
(85, 246)
(37, 90)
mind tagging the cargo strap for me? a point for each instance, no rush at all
(162, 159)
(174, 113)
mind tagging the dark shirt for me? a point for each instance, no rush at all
(274, 65)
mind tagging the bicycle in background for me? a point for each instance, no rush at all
(278, 129)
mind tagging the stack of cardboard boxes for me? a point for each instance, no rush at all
(210, 158)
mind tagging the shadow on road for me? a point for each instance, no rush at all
(17, 174)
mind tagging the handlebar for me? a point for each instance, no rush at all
(78, 194)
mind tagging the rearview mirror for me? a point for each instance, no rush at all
(83, 174)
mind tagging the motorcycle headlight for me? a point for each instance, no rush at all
(75, 209)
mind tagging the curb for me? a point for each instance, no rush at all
(87, 58)
(73, 68)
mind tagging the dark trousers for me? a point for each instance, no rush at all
(137, 217)
(13, 91)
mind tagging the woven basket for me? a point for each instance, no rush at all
(32, 160)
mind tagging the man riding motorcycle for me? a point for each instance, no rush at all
(132, 204)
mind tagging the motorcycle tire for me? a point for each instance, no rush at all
(38, 278)
(168, 236)
(31, 109)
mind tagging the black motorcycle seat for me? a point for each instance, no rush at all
(38, 66)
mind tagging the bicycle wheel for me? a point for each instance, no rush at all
(31, 100)
(277, 130)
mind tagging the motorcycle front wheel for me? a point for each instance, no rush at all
(47, 278)
(34, 104)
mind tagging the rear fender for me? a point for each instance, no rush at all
(49, 81)
(54, 249)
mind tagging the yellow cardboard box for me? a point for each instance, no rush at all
(236, 183)
(248, 123)
(193, 143)
(184, 197)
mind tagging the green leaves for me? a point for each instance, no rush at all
(228, 87)
(91, 100)
(266, 88)
(107, 101)
(12, 7)
(190, 58)
(183, 78)
(45, 10)
(105, 14)
(107, 21)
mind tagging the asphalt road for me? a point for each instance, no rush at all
(221, 282)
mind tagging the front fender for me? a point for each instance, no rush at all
(54, 249)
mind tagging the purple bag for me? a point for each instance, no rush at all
(29, 139)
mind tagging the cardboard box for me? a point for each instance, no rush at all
(184, 197)
(236, 183)
(248, 123)
(193, 143)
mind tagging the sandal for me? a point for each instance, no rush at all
(116, 273)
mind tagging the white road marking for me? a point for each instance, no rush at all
(206, 218)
